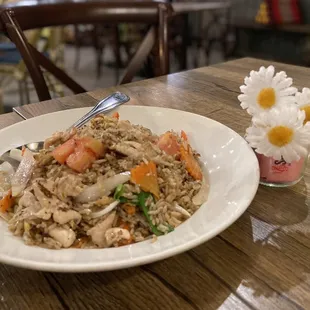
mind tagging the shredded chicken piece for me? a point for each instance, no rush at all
(64, 236)
(113, 235)
(53, 140)
(127, 150)
(104, 201)
(150, 150)
(124, 125)
(51, 243)
(43, 200)
(133, 144)
(28, 200)
(159, 160)
(28, 206)
(59, 137)
(44, 159)
(68, 186)
(65, 216)
(97, 233)
(44, 214)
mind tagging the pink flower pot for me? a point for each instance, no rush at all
(279, 173)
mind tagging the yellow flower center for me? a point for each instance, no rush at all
(280, 135)
(307, 112)
(266, 98)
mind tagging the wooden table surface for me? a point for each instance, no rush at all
(9, 119)
(178, 7)
(260, 262)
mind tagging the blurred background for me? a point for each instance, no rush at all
(95, 55)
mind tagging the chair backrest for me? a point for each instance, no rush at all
(48, 13)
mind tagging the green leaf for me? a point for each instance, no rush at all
(170, 228)
(123, 199)
(140, 201)
(118, 191)
(142, 198)
(118, 195)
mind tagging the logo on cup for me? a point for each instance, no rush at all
(280, 166)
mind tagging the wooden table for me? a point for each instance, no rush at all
(260, 262)
(178, 7)
(9, 119)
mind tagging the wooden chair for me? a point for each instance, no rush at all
(154, 13)
(13, 70)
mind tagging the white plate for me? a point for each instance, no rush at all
(233, 174)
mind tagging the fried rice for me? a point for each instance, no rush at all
(62, 208)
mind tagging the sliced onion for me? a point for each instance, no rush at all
(16, 154)
(8, 168)
(23, 173)
(181, 210)
(202, 195)
(5, 180)
(103, 187)
(106, 210)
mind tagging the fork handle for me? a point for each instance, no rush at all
(104, 106)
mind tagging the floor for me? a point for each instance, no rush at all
(85, 74)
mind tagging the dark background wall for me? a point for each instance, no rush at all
(285, 46)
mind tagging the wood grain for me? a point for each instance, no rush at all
(260, 262)
(24, 289)
(9, 119)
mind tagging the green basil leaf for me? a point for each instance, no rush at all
(118, 191)
(142, 198)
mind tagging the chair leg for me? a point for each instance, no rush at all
(98, 48)
(77, 47)
(21, 94)
(99, 52)
(140, 56)
(26, 91)
(185, 42)
(117, 53)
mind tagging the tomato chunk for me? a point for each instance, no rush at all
(184, 135)
(168, 143)
(93, 145)
(62, 152)
(81, 159)
(6, 202)
(115, 115)
(191, 164)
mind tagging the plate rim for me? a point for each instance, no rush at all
(150, 258)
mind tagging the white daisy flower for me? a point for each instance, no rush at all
(280, 133)
(303, 102)
(264, 90)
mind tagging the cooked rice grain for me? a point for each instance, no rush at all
(127, 146)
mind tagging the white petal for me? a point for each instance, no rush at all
(244, 105)
(285, 83)
(287, 154)
(247, 80)
(243, 88)
(287, 91)
(278, 77)
(262, 70)
(287, 100)
(277, 154)
(243, 97)
(270, 73)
